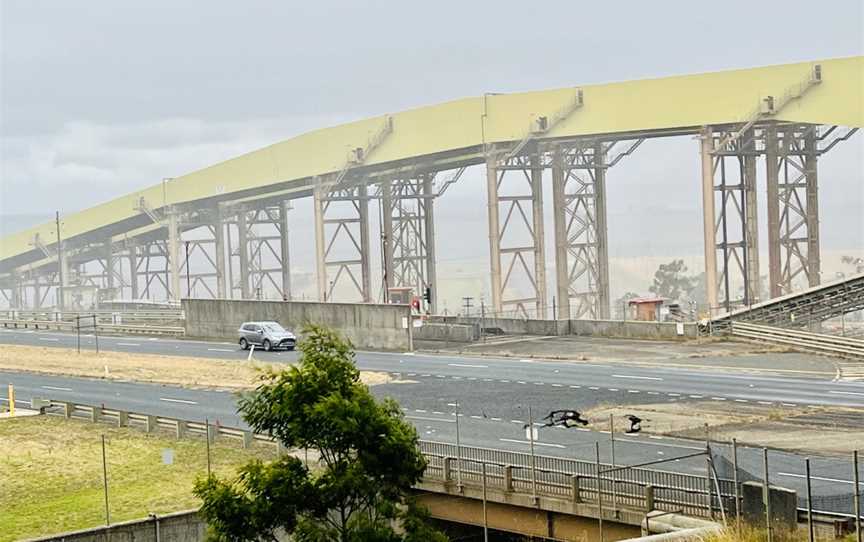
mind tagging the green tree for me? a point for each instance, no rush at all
(671, 281)
(369, 459)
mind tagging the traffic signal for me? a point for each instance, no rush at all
(427, 294)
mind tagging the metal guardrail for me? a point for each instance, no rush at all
(556, 477)
(816, 342)
(102, 315)
(101, 328)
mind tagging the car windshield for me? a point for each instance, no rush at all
(273, 326)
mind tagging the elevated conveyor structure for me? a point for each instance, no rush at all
(232, 217)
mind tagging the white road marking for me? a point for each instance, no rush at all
(184, 401)
(653, 393)
(468, 365)
(846, 393)
(613, 389)
(219, 350)
(516, 421)
(697, 396)
(487, 380)
(674, 394)
(633, 391)
(741, 401)
(595, 388)
(477, 417)
(443, 420)
(520, 382)
(504, 381)
(789, 404)
(765, 403)
(793, 475)
(420, 410)
(136, 344)
(575, 387)
(718, 398)
(56, 388)
(153, 339)
(426, 374)
(637, 377)
(538, 383)
(550, 445)
(495, 419)
(526, 361)
(47, 339)
(437, 412)
(557, 385)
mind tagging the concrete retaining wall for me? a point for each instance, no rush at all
(456, 333)
(177, 527)
(378, 327)
(623, 329)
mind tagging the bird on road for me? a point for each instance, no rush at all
(635, 422)
(564, 418)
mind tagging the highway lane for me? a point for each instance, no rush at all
(591, 383)
(439, 424)
(493, 396)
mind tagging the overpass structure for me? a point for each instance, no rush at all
(232, 217)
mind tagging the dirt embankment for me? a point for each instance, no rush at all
(181, 371)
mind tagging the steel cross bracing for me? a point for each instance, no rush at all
(342, 239)
(259, 258)
(736, 226)
(514, 186)
(730, 178)
(793, 207)
(581, 246)
(408, 234)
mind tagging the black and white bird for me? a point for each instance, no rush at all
(565, 418)
(635, 422)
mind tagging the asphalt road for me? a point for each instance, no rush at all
(493, 397)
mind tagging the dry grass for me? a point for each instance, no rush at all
(182, 371)
(51, 474)
(748, 424)
(748, 533)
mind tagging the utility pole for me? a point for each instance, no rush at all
(467, 305)
(188, 274)
(60, 304)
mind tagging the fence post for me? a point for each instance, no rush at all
(508, 478)
(67, 410)
(122, 418)
(447, 469)
(149, 423)
(247, 439)
(181, 428)
(574, 484)
(649, 498)
(94, 413)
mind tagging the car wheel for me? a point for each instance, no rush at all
(244, 344)
(267, 345)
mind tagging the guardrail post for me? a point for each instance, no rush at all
(181, 428)
(122, 418)
(95, 412)
(649, 498)
(247, 439)
(574, 484)
(149, 423)
(280, 448)
(67, 410)
(447, 469)
(211, 433)
(508, 478)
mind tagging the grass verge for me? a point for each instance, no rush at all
(51, 474)
(175, 370)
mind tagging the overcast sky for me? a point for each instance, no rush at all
(103, 97)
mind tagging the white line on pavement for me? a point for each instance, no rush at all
(846, 393)
(637, 377)
(420, 410)
(526, 361)
(56, 388)
(220, 350)
(128, 344)
(430, 419)
(468, 365)
(792, 475)
(48, 339)
(184, 401)
(550, 445)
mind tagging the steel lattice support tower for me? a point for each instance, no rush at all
(258, 256)
(731, 221)
(793, 206)
(342, 239)
(581, 244)
(408, 234)
(516, 246)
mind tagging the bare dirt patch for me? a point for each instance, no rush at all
(820, 430)
(181, 371)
